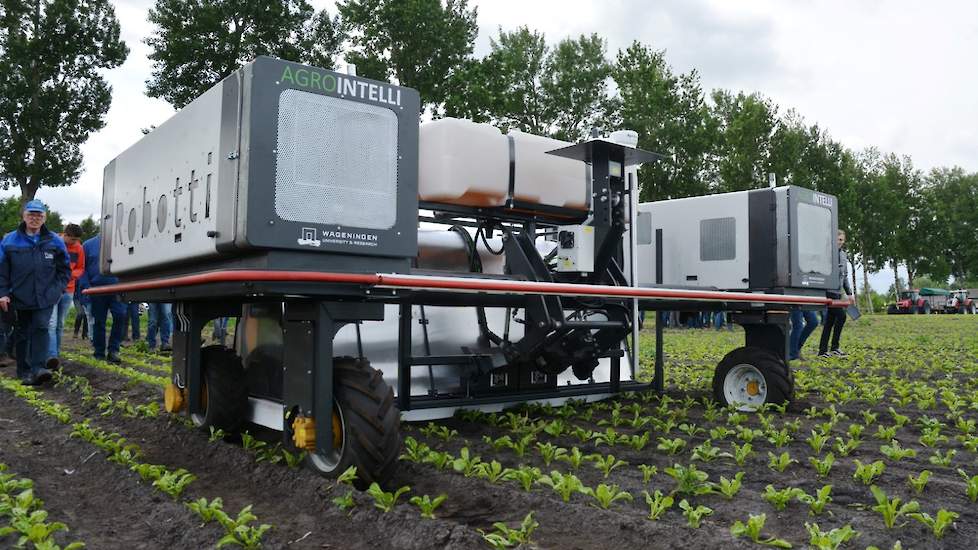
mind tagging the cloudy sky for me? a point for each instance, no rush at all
(897, 75)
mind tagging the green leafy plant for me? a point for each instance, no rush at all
(942, 459)
(918, 483)
(606, 464)
(658, 504)
(741, 453)
(886, 434)
(689, 480)
(437, 431)
(823, 466)
(173, 483)
(780, 462)
(831, 540)
(752, 530)
(780, 498)
(564, 485)
(466, 463)
(780, 438)
(706, 452)
(867, 473)
(574, 458)
(894, 451)
(817, 441)
(207, 510)
(971, 485)
(816, 503)
(694, 516)
(525, 476)
(647, 472)
(729, 487)
(383, 500)
(549, 452)
(250, 443)
(240, 531)
(414, 451)
(938, 525)
(503, 536)
(671, 446)
(846, 447)
(439, 459)
(493, 472)
(606, 495)
(891, 509)
(427, 505)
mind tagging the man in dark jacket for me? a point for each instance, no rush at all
(103, 304)
(34, 272)
(835, 317)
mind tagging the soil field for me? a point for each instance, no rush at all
(896, 419)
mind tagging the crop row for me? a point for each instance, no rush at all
(22, 514)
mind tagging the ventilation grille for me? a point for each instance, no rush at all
(336, 162)
(718, 239)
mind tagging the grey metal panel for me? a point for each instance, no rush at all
(782, 273)
(158, 199)
(227, 155)
(643, 228)
(264, 228)
(718, 239)
(799, 278)
(108, 199)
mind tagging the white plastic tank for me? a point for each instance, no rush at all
(464, 163)
(547, 179)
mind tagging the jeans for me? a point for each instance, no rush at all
(31, 340)
(7, 321)
(132, 318)
(803, 324)
(57, 324)
(90, 319)
(81, 320)
(160, 320)
(835, 319)
(221, 329)
(102, 305)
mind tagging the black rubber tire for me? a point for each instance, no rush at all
(371, 420)
(777, 375)
(225, 400)
(892, 310)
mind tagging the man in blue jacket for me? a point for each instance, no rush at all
(34, 272)
(103, 304)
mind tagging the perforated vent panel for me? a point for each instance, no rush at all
(336, 162)
(718, 239)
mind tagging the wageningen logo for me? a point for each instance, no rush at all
(822, 200)
(339, 84)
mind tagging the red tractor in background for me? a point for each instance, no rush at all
(962, 301)
(922, 301)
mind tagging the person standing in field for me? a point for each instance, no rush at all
(34, 272)
(103, 304)
(76, 257)
(835, 317)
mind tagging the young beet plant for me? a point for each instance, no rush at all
(384, 500)
(729, 488)
(502, 536)
(891, 509)
(564, 485)
(780, 499)
(428, 505)
(694, 516)
(658, 504)
(606, 495)
(780, 462)
(752, 530)
(817, 502)
(867, 473)
(918, 483)
(823, 466)
(830, 540)
(938, 525)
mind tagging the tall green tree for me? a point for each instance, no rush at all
(671, 116)
(950, 206)
(52, 93)
(11, 214)
(746, 125)
(523, 83)
(419, 43)
(197, 43)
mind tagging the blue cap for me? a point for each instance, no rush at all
(35, 205)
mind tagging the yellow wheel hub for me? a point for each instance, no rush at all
(753, 388)
(304, 432)
(173, 398)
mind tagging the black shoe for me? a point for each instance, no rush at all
(99, 357)
(41, 376)
(165, 348)
(53, 363)
(114, 358)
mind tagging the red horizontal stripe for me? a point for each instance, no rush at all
(463, 284)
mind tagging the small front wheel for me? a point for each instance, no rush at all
(366, 425)
(224, 393)
(749, 377)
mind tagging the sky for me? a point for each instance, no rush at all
(897, 75)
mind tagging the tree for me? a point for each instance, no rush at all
(196, 44)
(522, 83)
(950, 204)
(746, 124)
(419, 43)
(671, 116)
(89, 228)
(52, 93)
